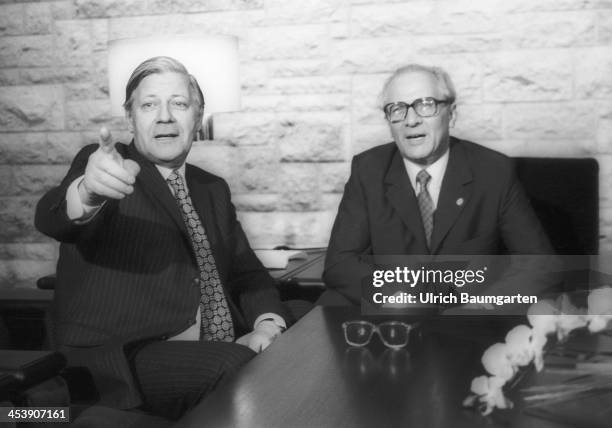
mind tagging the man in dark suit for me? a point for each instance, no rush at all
(426, 193)
(158, 291)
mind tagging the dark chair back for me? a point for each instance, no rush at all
(564, 193)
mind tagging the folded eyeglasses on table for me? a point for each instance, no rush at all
(393, 334)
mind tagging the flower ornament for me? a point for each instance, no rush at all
(600, 309)
(524, 344)
(598, 323)
(487, 392)
(569, 318)
(543, 317)
(568, 322)
(519, 346)
(538, 343)
(496, 360)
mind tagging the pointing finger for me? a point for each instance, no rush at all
(106, 141)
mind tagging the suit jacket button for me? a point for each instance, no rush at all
(195, 282)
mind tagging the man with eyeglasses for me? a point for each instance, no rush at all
(426, 192)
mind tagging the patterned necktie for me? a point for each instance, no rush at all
(216, 318)
(425, 204)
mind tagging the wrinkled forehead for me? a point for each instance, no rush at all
(412, 85)
(164, 85)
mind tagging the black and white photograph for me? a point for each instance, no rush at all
(314, 214)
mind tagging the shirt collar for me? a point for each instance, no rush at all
(436, 170)
(165, 171)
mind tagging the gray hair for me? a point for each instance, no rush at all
(158, 65)
(443, 78)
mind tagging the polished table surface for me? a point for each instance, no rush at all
(310, 378)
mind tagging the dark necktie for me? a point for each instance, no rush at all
(216, 318)
(425, 204)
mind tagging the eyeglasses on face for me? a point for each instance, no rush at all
(424, 107)
(394, 334)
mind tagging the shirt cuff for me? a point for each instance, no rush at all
(270, 316)
(76, 210)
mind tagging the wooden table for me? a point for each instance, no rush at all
(310, 378)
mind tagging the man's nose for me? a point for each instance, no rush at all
(164, 114)
(412, 118)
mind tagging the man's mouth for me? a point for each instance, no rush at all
(166, 135)
(415, 136)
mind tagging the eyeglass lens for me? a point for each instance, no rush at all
(393, 334)
(424, 107)
(358, 333)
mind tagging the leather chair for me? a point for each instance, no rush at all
(564, 193)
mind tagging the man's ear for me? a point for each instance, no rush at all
(200, 118)
(130, 120)
(453, 115)
(199, 124)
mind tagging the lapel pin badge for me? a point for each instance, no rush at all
(460, 202)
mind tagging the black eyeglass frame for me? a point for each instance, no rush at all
(375, 328)
(414, 105)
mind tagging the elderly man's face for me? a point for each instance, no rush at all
(420, 139)
(164, 117)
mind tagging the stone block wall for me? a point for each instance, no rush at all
(534, 78)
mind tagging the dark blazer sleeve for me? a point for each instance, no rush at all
(51, 217)
(346, 263)
(255, 288)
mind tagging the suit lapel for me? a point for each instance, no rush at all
(203, 203)
(154, 186)
(454, 194)
(401, 195)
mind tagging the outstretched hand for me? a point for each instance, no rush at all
(107, 175)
